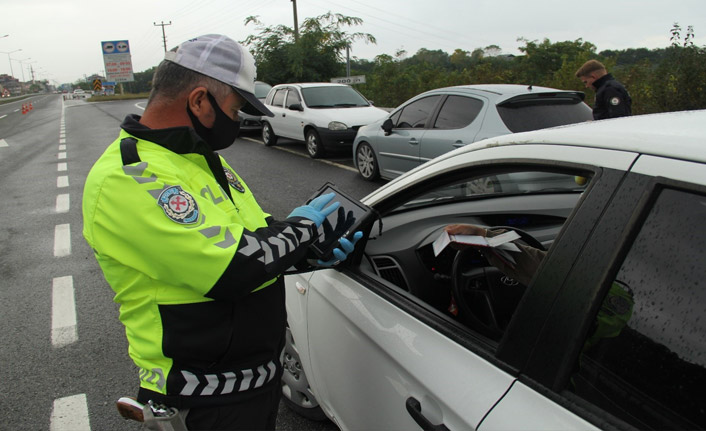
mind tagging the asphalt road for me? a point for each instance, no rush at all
(64, 360)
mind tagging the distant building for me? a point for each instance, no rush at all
(11, 84)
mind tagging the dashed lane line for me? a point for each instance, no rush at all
(63, 312)
(70, 414)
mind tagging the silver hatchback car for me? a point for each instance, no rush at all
(438, 121)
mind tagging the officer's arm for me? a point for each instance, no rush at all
(264, 254)
(616, 103)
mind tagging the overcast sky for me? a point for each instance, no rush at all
(60, 39)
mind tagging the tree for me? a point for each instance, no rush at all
(316, 55)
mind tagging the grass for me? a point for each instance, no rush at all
(118, 97)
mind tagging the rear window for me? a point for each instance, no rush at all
(523, 117)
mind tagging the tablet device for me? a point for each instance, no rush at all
(343, 222)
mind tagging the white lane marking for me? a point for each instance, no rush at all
(62, 203)
(137, 105)
(62, 166)
(328, 162)
(62, 155)
(3, 116)
(62, 141)
(62, 147)
(17, 110)
(70, 414)
(63, 312)
(62, 240)
(3, 143)
(62, 181)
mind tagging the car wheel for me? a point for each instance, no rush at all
(314, 146)
(296, 392)
(268, 135)
(366, 162)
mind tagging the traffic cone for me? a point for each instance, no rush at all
(24, 109)
(30, 106)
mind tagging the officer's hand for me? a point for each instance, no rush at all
(315, 210)
(343, 222)
(340, 254)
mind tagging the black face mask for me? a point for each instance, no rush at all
(224, 130)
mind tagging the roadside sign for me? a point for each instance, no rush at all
(97, 85)
(359, 79)
(117, 59)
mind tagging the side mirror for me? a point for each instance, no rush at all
(387, 126)
(296, 107)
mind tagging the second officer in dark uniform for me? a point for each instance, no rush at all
(612, 99)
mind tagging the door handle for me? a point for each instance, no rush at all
(413, 141)
(458, 144)
(414, 408)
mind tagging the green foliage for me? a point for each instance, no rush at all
(315, 55)
(142, 82)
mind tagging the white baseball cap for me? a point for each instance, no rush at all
(224, 59)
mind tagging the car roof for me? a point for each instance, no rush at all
(678, 135)
(312, 84)
(499, 93)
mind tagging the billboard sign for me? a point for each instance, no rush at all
(117, 60)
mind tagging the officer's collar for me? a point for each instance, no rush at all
(180, 140)
(598, 82)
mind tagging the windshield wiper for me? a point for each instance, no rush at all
(347, 105)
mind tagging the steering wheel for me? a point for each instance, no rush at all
(486, 297)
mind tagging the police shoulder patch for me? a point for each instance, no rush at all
(615, 101)
(233, 180)
(178, 205)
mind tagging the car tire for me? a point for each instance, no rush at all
(366, 162)
(314, 146)
(268, 135)
(296, 392)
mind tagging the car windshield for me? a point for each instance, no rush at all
(512, 183)
(261, 89)
(523, 117)
(333, 97)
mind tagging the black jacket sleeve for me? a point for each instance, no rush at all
(263, 255)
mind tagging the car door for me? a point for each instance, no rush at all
(291, 119)
(378, 354)
(399, 151)
(458, 122)
(624, 346)
(276, 105)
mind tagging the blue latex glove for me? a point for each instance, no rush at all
(340, 254)
(315, 210)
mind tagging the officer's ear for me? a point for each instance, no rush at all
(196, 102)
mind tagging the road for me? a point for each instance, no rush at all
(64, 356)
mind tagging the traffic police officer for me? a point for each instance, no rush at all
(612, 99)
(194, 261)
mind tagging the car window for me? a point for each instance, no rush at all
(401, 250)
(457, 112)
(415, 114)
(644, 359)
(278, 99)
(334, 96)
(292, 98)
(523, 117)
(526, 182)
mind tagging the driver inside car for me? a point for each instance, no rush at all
(615, 310)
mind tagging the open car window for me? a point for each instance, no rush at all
(470, 290)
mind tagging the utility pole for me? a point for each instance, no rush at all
(296, 21)
(164, 36)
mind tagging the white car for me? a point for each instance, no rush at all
(324, 115)
(610, 332)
